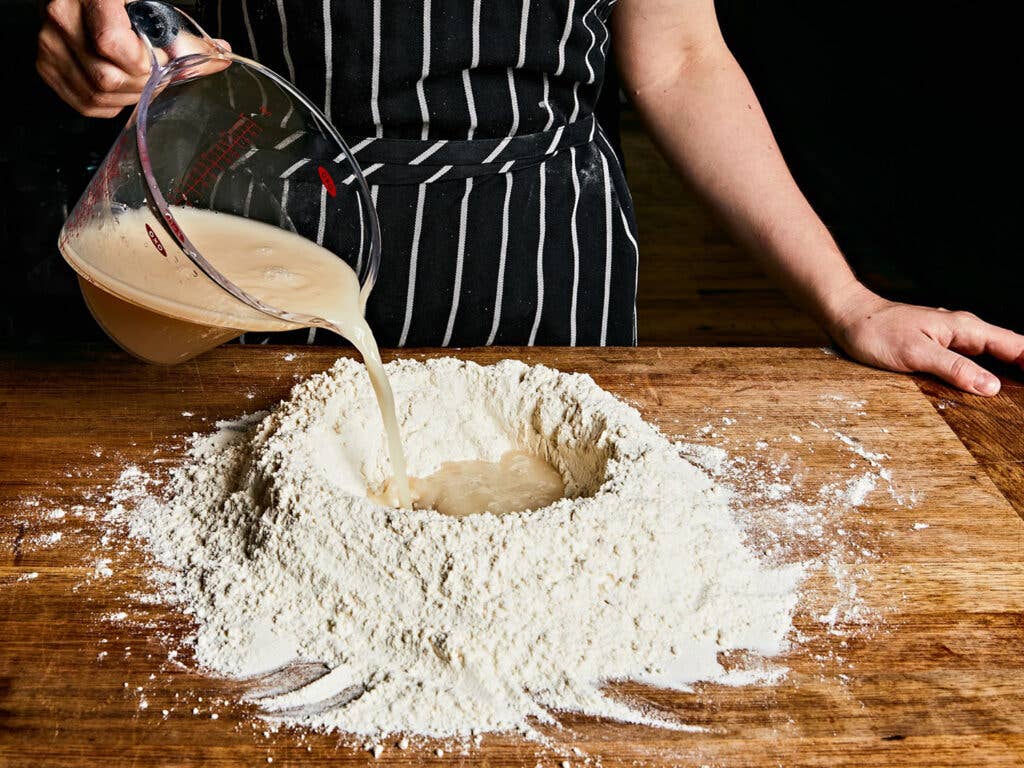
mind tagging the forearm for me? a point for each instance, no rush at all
(710, 126)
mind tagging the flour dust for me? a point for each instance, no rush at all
(664, 559)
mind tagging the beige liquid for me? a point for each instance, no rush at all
(518, 481)
(280, 268)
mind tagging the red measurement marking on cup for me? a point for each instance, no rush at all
(327, 181)
(156, 240)
(173, 226)
(214, 161)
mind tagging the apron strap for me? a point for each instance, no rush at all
(412, 161)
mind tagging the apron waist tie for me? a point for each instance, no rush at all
(413, 161)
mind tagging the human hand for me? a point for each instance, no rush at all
(909, 338)
(90, 56)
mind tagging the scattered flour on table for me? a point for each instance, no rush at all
(445, 627)
(787, 513)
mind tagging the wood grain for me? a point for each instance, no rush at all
(991, 429)
(939, 683)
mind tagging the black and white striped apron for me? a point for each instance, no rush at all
(504, 211)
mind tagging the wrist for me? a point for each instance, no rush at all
(841, 306)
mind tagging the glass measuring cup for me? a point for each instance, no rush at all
(214, 132)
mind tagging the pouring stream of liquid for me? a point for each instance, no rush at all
(364, 342)
(279, 267)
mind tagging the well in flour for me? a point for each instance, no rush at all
(517, 482)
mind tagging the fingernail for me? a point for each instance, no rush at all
(986, 384)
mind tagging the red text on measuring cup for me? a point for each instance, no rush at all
(156, 240)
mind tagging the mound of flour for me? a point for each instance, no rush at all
(448, 626)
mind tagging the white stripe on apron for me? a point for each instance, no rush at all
(474, 63)
(593, 40)
(502, 253)
(460, 258)
(248, 30)
(575, 249)
(375, 79)
(540, 259)
(328, 57)
(284, 41)
(547, 104)
(607, 248)
(413, 258)
(424, 114)
(524, 22)
(632, 240)
(565, 38)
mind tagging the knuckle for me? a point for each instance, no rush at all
(49, 41)
(107, 42)
(107, 78)
(55, 14)
(49, 75)
(959, 368)
(911, 356)
(95, 110)
(98, 100)
(909, 349)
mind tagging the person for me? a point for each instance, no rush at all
(518, 228)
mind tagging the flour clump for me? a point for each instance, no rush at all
(445, 626)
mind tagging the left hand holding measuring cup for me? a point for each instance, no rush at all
(90, 55)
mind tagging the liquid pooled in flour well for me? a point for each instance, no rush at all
(281, 268)
(518, 481)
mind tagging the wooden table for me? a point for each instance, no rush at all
(938, 683)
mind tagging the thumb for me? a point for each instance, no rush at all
(954, 368)
(113, 37)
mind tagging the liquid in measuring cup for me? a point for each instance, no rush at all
(158, 305)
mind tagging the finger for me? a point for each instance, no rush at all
(65, 20)
(69, 68)
(101, 72)
(61, 87)
(974, 336)
(52, 61)
(61, 70)
(106, 77)
(90, 102)
(932, 357)
(49, 74)
(112, 37)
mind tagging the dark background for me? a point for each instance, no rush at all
(898, 120)
(898, 125)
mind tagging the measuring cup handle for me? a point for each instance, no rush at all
(157, 22)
